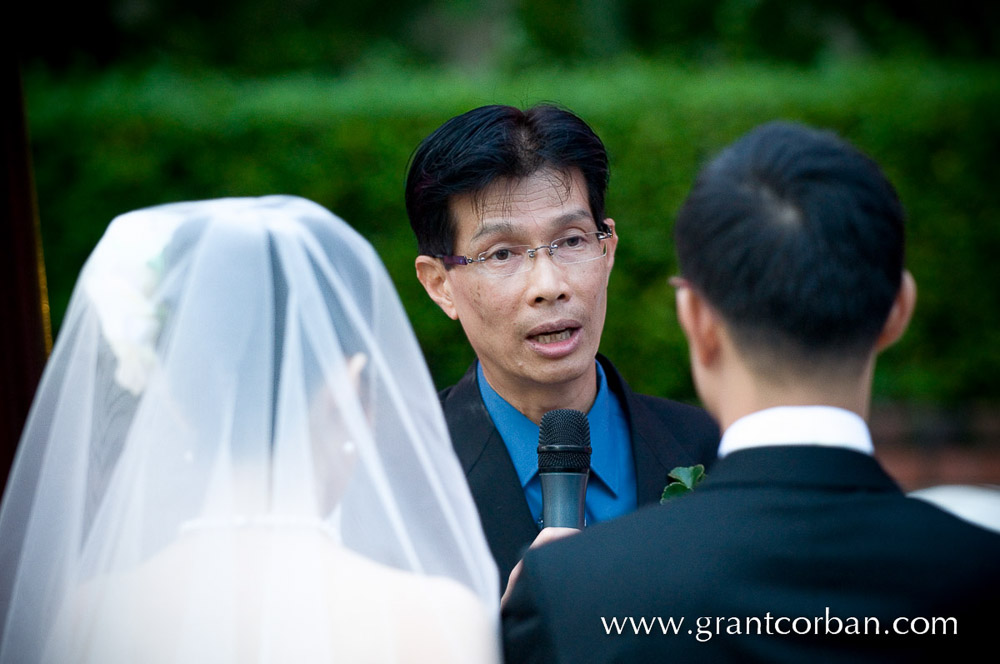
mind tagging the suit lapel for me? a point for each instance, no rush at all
(490, 473)
(651, 460)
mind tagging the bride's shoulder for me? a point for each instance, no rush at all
(417, 591)
(434, 617)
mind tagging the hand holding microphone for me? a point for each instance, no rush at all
(563, 468)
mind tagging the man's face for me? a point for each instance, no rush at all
(541, 327)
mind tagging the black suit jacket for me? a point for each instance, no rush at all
(779, 531)
(665, 434)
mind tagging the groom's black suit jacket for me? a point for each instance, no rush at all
(784, 531)
(665, 434)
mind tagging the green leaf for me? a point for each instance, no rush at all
(685, 479)
(689, 476)
(673, 490)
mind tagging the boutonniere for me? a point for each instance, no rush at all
(685, 478)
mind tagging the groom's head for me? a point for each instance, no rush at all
(792, 240)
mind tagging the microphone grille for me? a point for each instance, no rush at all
(564, 441)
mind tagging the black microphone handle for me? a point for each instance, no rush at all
(563, 499)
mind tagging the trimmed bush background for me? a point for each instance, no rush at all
(105, 144)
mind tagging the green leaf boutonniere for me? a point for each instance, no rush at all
(685, 478)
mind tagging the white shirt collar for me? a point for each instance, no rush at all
(798, 425)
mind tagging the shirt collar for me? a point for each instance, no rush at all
(604, 460)
(798, 425)
(520, 434)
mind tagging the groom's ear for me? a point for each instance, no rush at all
(700, 325)
(900, 314)
(434, 278)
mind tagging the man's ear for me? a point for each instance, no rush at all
(900, 314)
(432, 274)
(612, 243)
(700, 324)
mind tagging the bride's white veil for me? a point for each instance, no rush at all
(236, 453)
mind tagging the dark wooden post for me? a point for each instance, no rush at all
(25, 336)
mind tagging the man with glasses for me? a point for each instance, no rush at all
(508, 210)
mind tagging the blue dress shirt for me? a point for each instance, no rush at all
(611, 489)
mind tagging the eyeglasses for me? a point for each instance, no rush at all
(504, 261)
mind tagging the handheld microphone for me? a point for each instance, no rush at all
(563, 467)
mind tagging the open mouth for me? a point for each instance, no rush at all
(554, 336)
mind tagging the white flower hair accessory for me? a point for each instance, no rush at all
(121, 280)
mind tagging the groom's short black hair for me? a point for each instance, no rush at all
(469, 152)
(797, 239)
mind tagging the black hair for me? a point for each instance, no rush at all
(796, 238)
(471, 151)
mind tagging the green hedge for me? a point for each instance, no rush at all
(105, 145)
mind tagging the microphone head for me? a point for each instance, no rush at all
(564, 442)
